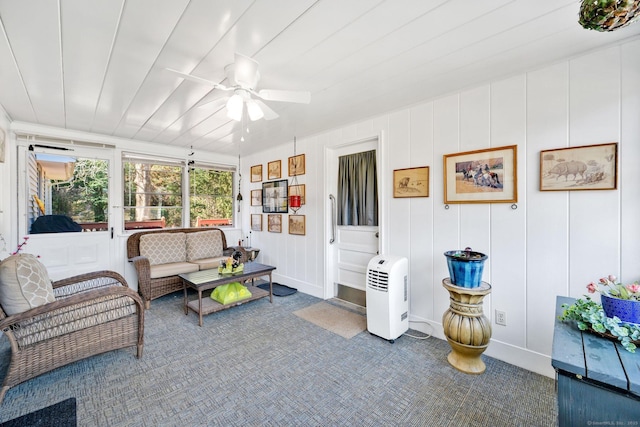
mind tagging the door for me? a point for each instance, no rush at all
(349, 247)
(65, 194)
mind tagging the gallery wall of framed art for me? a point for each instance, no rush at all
(273, 196)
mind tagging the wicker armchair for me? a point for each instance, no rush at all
(93, 313)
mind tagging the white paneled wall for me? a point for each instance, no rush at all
(548, 244)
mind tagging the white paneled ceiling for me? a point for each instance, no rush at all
(100, 65)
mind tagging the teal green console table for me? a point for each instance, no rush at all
(598, 380)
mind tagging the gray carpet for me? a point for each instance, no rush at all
(259, 364)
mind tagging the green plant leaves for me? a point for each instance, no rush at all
(589, 315)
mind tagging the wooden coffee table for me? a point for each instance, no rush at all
(205, 280)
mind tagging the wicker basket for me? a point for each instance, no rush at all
(608, 15)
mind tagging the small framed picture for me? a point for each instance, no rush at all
(296, 165)
(256, 222)
(256, 197)
(589, 167)
(275, 197)
(297, 225)
(412, 182)
(256, 173)
(274, 169)
(298, 190)
(274, 223)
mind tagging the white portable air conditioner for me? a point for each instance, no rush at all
(387, 298)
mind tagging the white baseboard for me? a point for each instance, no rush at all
(304, 287)
(518, 356)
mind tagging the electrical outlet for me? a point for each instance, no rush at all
(501, 318)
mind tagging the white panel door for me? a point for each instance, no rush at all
(350, 248)
(67, 254)
(355, 246)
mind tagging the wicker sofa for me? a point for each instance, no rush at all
(159, 256)
(92, 313)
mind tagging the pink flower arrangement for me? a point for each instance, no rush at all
(608, 286)
(20, 246)
(24, 242)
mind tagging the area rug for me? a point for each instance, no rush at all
(61, 414)
(278, 289)
(343, 322)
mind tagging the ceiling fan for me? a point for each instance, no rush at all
(242, 77)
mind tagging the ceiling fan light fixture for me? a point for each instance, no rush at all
(254, 110)
(234, 107)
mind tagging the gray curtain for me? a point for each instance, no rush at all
(357, 189)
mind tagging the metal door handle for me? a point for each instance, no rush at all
(333, 220)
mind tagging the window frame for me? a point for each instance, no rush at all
(27, 150)
(234, 181)
(132, 157)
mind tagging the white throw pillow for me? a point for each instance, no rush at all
(24, 284)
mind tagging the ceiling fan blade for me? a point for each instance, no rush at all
(285, 96)
(269, 114)
(198, 79)
(246, 71)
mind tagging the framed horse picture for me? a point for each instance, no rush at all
(481, 176)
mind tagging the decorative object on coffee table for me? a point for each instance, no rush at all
(467, 330)
(207, 280)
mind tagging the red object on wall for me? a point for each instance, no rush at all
(294, 201)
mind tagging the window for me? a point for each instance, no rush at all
(63, 186)
(211, 197)
(358, 189)
(152, 195)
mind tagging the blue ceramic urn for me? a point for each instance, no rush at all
(465, 267)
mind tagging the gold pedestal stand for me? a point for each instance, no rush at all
(465, 326)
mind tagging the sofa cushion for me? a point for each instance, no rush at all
(208, 263)
(172, 269)
(24, 284)
(204, 244)
(163, 248)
